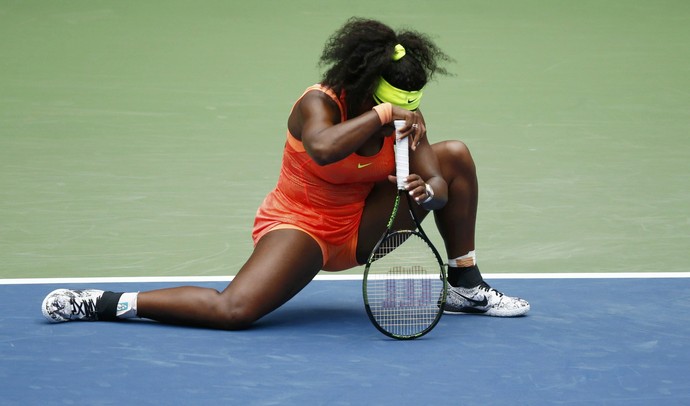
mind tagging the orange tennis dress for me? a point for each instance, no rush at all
(324, 201)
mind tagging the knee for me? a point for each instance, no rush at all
(460, 151)
(457, 157)
(235, 315)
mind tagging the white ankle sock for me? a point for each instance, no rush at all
(127, 305)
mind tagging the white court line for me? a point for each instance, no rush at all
(328, 277)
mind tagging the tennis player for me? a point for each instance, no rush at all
(334, 194)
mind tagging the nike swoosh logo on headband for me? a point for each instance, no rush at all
(360, 166)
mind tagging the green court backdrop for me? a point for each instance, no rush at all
(138, 138)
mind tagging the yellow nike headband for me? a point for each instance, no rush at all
(387, 93)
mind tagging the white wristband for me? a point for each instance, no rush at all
(429, 193)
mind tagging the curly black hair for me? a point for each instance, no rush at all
(362, 50)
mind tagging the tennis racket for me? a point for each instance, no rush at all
(404, 284)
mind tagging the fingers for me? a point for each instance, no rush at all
(414, 128)
(419, 132)
(416, 187)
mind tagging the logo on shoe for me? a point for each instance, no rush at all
(122, 306)
(474, 302)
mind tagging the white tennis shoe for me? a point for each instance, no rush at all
(67, 305)
(484, 300)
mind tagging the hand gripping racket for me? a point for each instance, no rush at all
(404, 284)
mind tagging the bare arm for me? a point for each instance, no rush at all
(316, 121)
(425, 169)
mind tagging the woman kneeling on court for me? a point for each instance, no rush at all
(334, 194)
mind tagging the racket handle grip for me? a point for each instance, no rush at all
(402, 157)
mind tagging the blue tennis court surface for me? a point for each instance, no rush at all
(138, 138)
(586, 341)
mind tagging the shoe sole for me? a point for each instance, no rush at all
(491, 313)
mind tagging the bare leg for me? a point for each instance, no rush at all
(377, 210)
(283, 262)
(456, 221)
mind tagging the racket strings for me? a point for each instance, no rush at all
(390, 244)
(405, 286)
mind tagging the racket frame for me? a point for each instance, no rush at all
(419, 231)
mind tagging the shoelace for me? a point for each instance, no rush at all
(485, 286)
(85, 307)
